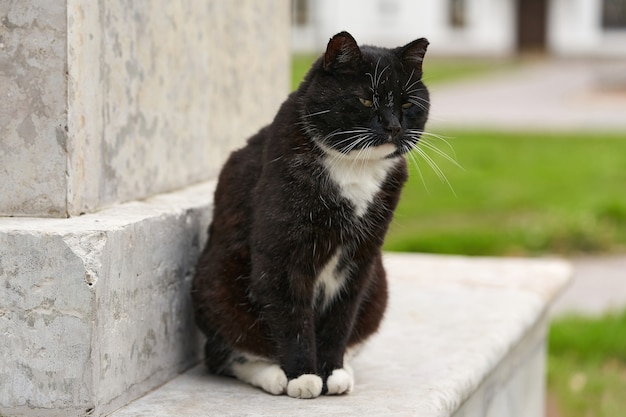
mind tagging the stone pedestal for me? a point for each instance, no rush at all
(463, 337)
(112, 101)
(111, 111)
(96, 309)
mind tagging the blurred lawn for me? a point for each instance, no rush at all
(587, 365)
(518, 194)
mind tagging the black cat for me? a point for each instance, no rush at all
(292, 278)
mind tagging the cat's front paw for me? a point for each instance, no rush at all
(273, 380)
(339, 382)
(305, 386)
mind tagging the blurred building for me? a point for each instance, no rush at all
(468, 27)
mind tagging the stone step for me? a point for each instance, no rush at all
(95, 310)
(463, 337)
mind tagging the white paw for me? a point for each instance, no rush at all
(273, 380)
(305, 386)
(340, 382)
(261, 373)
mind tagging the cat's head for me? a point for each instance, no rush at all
(365, 102)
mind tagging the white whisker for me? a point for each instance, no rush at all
(408, 151)
(424, 142)
(442, 177)
(316, 113)
(409, 80)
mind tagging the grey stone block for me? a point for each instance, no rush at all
(33, 108)
(95, 310)
(124, 100)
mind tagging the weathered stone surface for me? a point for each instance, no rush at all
(462, 337)
(33, 108)
(113, 101)
(95, 310)
(160, 95)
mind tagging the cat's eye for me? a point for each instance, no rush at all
(407, 105)
(365, 102)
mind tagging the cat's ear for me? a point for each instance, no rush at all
(342, 53)
(412, 54)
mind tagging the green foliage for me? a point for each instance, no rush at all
(518, 193)
(587, 365)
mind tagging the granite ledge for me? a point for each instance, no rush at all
(458, 331)
(95, 310)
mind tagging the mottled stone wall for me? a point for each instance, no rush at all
(33, 108)
(112, 101)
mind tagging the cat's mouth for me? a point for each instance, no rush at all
(370, 153)
(383, 151)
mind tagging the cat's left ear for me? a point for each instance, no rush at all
(412, 54)
(342, 53)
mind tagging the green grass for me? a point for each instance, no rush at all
(517, 194)
(587, 365)
(300, 64)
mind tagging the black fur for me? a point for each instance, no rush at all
(279, 217)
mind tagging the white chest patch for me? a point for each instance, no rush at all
(360, 174)
(329, 281)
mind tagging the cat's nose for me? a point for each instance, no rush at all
(392, 128)
(390, 124)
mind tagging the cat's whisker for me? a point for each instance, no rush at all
(366, 152)
(337, 157)
(422, 99)
(420, 105)
(431, 162)
(345, 132)
(415, 90)
(380, 76)
(316, 113)
(408, 151)
(435, 135)
(442, 138)
(418, 101)
(354, 142)
(409, 80)
(425, 143)
(409, 88)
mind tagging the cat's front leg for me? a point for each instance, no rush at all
(333, 330)
(336, 373)
(289, 318)
(298, 357)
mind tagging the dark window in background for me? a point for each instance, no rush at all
(457, 13)
(614, 14)
(300, 12)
